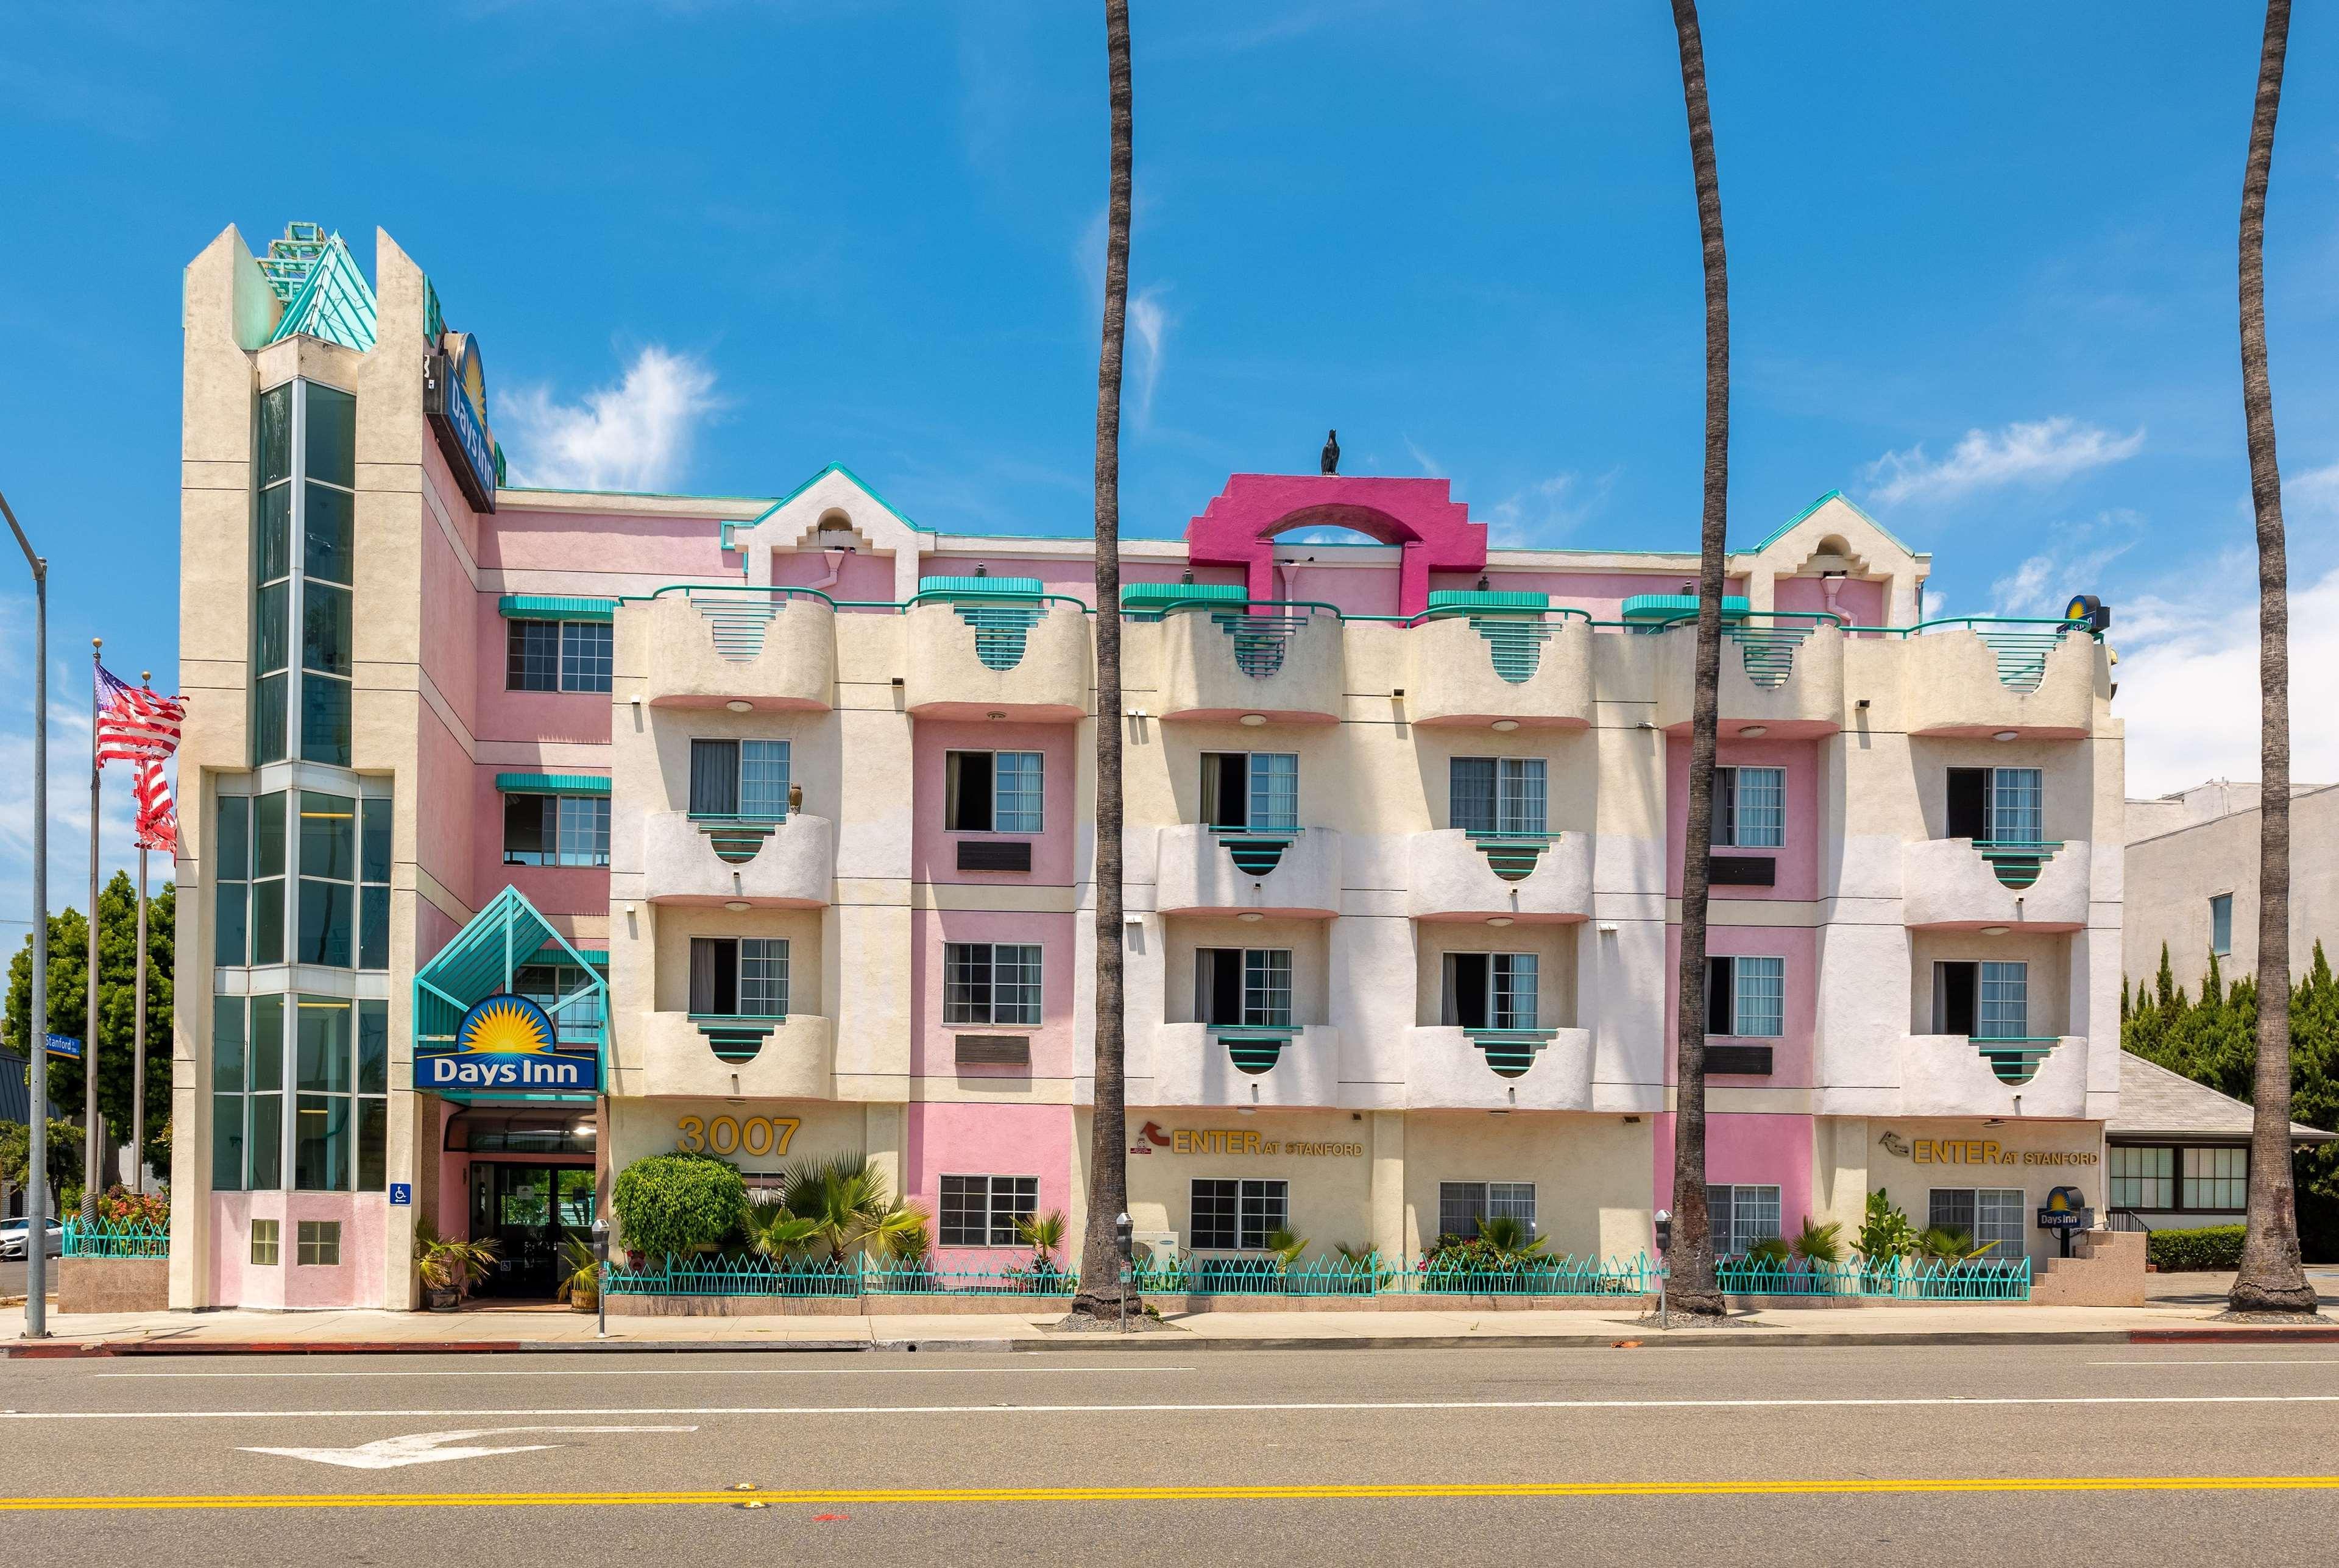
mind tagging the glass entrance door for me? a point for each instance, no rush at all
(526, 1209)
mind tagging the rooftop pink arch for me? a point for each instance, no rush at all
(1432, 531)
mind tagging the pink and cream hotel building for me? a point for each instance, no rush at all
(783, 805)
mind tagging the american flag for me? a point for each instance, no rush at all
(140, 726)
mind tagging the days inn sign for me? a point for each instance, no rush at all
(505, 1044)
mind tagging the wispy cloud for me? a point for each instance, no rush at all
(2034, 452)
(1151, 323)
(1422, 460)
(634, 436)
(2075, 563)
(1547, 510)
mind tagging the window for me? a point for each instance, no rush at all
(569, 998)
(2216, 1179)
(557, 655)
(323, 1057)
(264, 1243)
(739, 778)
(2221, 924)
(1258, 791)
(1997, 805)
(1243, 987)
(228, 1054)
(1228, 1216)
(1489, 990)
(329, 870)
(1496, 794)
(1463, 1205)
(303, 571)
(556, 829)
(248, 898)
(1738, 1216)
(992, 791)
(374, 883)
(2142, 1178)
(319, 1243)
(1984, 1001)
(373, 1094)
(268, 858)
(739, 976)
(991, 983)
(1749, 808)
(1986, 1215)
(1746, 996)
(232, 883)
(984, 1210)
(248, 1094)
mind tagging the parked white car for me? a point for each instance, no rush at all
(12, 1238)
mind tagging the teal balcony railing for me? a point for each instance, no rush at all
(1255, 853)
(1509, 1052)
(736, 836)
(2017, 864)
(2014, 1059)
(1254, 1048)
(1512, 855)
(737, 1037)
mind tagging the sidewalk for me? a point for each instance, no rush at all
(492, 1329)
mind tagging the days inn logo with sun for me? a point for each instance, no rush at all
(506, 1042)
(505, 1025)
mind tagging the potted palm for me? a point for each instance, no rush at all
(580, 1274)
(447, 1265)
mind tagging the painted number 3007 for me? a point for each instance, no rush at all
(756, 1135)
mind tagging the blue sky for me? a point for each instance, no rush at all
(1982, 280)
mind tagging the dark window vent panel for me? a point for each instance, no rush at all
(1000, 1051)
(995, 855)
(1754, 1060)
(1744, 871)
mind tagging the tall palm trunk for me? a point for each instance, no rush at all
(1691, 1256)
(2270, 1280)
(1101, 1287)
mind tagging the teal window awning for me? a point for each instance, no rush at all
(1480, 600)
(981, 587)
(551, 784)
(1666, 606)
(554, 607)
(484, 959)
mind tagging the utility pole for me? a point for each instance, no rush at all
(36, 1017)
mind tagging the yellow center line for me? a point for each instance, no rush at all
(1364, 1493)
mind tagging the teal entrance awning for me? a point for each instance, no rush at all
(507, 935)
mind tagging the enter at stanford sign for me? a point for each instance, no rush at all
(482, 1070)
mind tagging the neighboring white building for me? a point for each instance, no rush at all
(2193, 879)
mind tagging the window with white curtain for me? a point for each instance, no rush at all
(1749, 808)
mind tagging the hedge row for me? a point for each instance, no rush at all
(2211, 1247)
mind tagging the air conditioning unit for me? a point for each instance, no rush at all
(1154, 1246)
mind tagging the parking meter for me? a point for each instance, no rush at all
(1664, 1219)
(601, 1277)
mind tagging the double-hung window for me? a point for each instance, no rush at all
(991, 983)
(1985, 1001)
(1983, 1215)
(1497, 794)
(1254, 791)
(1746, 997)
(1998, 805)
(739, 976)
(1464, 1206)
(1739, 1216)
(1489, 990)
(985, 1210)
(1229, 1215)
(556, 829)
(992, 791)
(1749, 808)
(732, 778)
(1243, 987)
(557, 655)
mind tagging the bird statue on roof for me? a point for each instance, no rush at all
(1332, 451)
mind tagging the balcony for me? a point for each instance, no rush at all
(1498, 1070)
(1526, 668)
(1469, 876)
(1232, 870)
(1280, 662)
(1957, 884)
(710, 860)
(683, 1055)
(1783, 675)
(1959, 1075)
(2031, 680)
(985, 652)
(773, 649)
(1218, 1064)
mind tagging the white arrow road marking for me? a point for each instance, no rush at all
(428, 1447)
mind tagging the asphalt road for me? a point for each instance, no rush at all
(1790, 1456)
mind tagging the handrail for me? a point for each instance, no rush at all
(1975, 622)
(1231, 606)
(1452, 611)
(781, 588)
(1689, 617)
(955, 595)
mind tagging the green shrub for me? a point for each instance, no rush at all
(2211, 1247)
(677, 1204)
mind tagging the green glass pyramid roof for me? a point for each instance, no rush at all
(325, 293)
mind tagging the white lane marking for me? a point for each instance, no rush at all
(430, 1448)
(2236, 1361)
(1199, 1409)
(467, 1373)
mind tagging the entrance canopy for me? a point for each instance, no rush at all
(508, 949)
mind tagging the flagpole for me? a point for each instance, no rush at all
(138, 1034)
(38, 1197)
(91, 1136)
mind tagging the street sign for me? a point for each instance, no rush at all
(401, 1194)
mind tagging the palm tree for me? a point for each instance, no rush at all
(1099, 1293)
(842, 1204)
(1043, 1233)
(774, 1232)
(2270, 1278)
(1690, 1257)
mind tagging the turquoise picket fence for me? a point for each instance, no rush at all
(116, 1239)
(1898, 1279)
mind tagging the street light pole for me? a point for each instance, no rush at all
(36, 1016)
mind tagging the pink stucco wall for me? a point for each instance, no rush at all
(450, 643)
(1358, 591)
(1758, 1149)
(650, 550)
(535, 717)
(1791, 1050)
(933, 1049)
(1073, 575)
(554, 889)
(990, 1140)
(444, 837)
(933, 853)
(1860, 604)
(1601, 595)
(858, 576)
(355, 1281)
(231, 1251)
(1798, 860)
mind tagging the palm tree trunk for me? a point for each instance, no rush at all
(1691, 1256)
(1099, 1292)
(2270, 1280)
